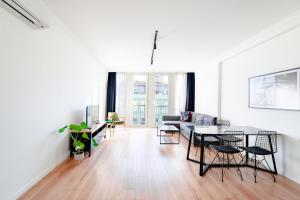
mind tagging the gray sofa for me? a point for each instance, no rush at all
(186, 127)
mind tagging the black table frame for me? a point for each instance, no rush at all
(166, 131)
(205, 166)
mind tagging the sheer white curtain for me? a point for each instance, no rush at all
(121, 94)
(180, 92)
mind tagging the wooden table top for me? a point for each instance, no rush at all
(94, 128)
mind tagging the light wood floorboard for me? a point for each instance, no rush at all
(133, 165)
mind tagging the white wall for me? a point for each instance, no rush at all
(206, 91)
(279, 53)
(46, 80)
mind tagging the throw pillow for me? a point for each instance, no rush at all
(185, 116)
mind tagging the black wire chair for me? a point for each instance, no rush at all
(265, 144)
(231, 143)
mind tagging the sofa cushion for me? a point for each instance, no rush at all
(193, 117)
(199, 118)
(210, 119)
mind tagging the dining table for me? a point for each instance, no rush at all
(203, 132)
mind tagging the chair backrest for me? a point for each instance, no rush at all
(221, 122)
(265, 138)
(113, 116)
(232, 138)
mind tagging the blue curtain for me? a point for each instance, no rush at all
(190, 92)
(111, 92)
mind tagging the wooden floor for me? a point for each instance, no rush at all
(133, 165)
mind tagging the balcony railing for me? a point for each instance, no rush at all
(139, 112)
(159, 112)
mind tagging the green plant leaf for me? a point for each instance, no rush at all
(95, 143)
(61, 130)
(78, 145)
(84, 125)
(85, 136)
(75, 127)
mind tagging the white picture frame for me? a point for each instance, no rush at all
(278, 90)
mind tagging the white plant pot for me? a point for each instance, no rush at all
(79, 156)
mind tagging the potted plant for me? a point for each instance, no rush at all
(76, 132)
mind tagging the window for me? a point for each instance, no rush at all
(161, 96)
(139, 99)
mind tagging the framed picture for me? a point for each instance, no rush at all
(279, 90)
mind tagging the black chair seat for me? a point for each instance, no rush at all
(226, 149)
(257, 150)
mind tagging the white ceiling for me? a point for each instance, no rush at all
(191, 32)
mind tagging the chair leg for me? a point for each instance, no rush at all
(217, 155)
(238, 168)
(255, 172)
(223, 167)
(242, 157)
(227, 161)
(270, 169)
(197, 150)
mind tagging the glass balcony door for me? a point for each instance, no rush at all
(139, 100)
(161, 96)
(147, 99)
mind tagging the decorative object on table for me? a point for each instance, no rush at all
(78, 133)
(265, 144)
(279, 90)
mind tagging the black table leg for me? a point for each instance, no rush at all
(273, 158)
(189, 149)
(247, 154)
(189, 146)
(201, 171)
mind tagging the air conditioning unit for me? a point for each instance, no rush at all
(17, 9)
